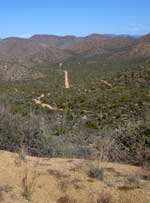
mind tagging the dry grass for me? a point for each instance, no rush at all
(95, 168)
(29, 176)
(64, 184)
(144, 174)
(131, 182)
(104, 197)
(54, 182)
(58, 174)
(95, 172)
(66, 199)
(29, 183)
(1, 196)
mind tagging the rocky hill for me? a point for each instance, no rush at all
(56, 41)
(19, 48)
(45, 50)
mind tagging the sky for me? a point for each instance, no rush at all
(23, 18)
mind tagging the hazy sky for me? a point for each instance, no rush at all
(76, 17)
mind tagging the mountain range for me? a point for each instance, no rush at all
(51, 49)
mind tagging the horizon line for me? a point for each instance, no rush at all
(28, 36)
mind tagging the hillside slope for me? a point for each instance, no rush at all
(56, 41)
(62, 180)
(14, 70)
(31, 55)
(20, 48)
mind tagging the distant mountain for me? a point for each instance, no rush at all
(142, 48)
(17, 47)
(55, 41)
(26, 49)
(81, 44)
(95, 41)
(19, 56)
(52, 48)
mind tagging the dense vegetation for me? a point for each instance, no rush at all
(92, 111)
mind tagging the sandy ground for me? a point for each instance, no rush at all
(65, 181)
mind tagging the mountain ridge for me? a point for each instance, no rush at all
(40, 50)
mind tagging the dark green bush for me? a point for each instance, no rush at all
(132, 144)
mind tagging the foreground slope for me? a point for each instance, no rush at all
(62, 180)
